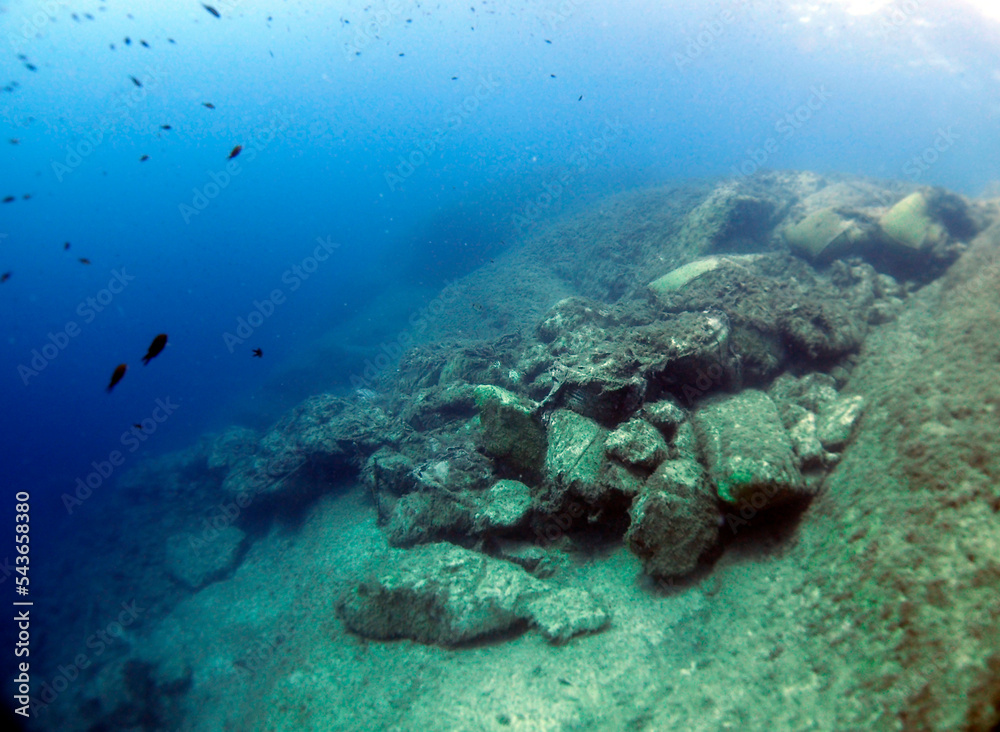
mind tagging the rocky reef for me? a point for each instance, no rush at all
(700, 387)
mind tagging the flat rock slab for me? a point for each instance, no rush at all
(443, 594)
(747, 451)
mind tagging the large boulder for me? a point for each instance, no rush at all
(675, 520)
(446, 595)
(747, 451)
(511, 432)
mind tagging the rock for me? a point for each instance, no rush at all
(569, 317)
(601, 394)
(796, 396)
(436, 406)
(638, 444)
(836, 422)
(421, 517)
(511, 433)
(440, 593)
(820, 331)
(665, 415)
(388, 471)
(674, 520)
(443, 594)
(677, 278)
(232, 446)
(324, 431)
(689, 354)
(805, 441)
(563, 614)
(575, 455)
(197, 560)
(747, 450)
(506, 507)
(909, 223)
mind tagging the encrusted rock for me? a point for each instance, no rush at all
(638, 444)
(836, 422)
(422, 517)
(747, 450)
(563, 614)
(447, 595)
(506, 507)
(674, 520)
(511, 433)
(233, 445)
(575, 454)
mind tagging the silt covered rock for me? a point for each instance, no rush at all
(674, 520)
(747, 450)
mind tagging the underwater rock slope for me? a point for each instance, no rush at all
(747, 421)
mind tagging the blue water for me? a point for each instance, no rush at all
(412, 139)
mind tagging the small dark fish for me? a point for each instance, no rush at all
(154, 348)
(580, 99)
(112, 46)
(117, 376)
(128, 41)
(166, 127)
(454, 78)
(135, 81)
(144, 158)
(5, 276)
(548, 41)
(65, 246)
(171, 40)
(9, 199)
(402, 54)
(235, 151)
(26, 196)
(144, 43)
(84, 260)
(22, 57)
(14, 141)
(137, 425)
(552, 76)
(212, 10)
(257, 353)
(208, 104)
(31, 67)
(477, 307)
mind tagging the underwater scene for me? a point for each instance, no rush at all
(543, 365)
